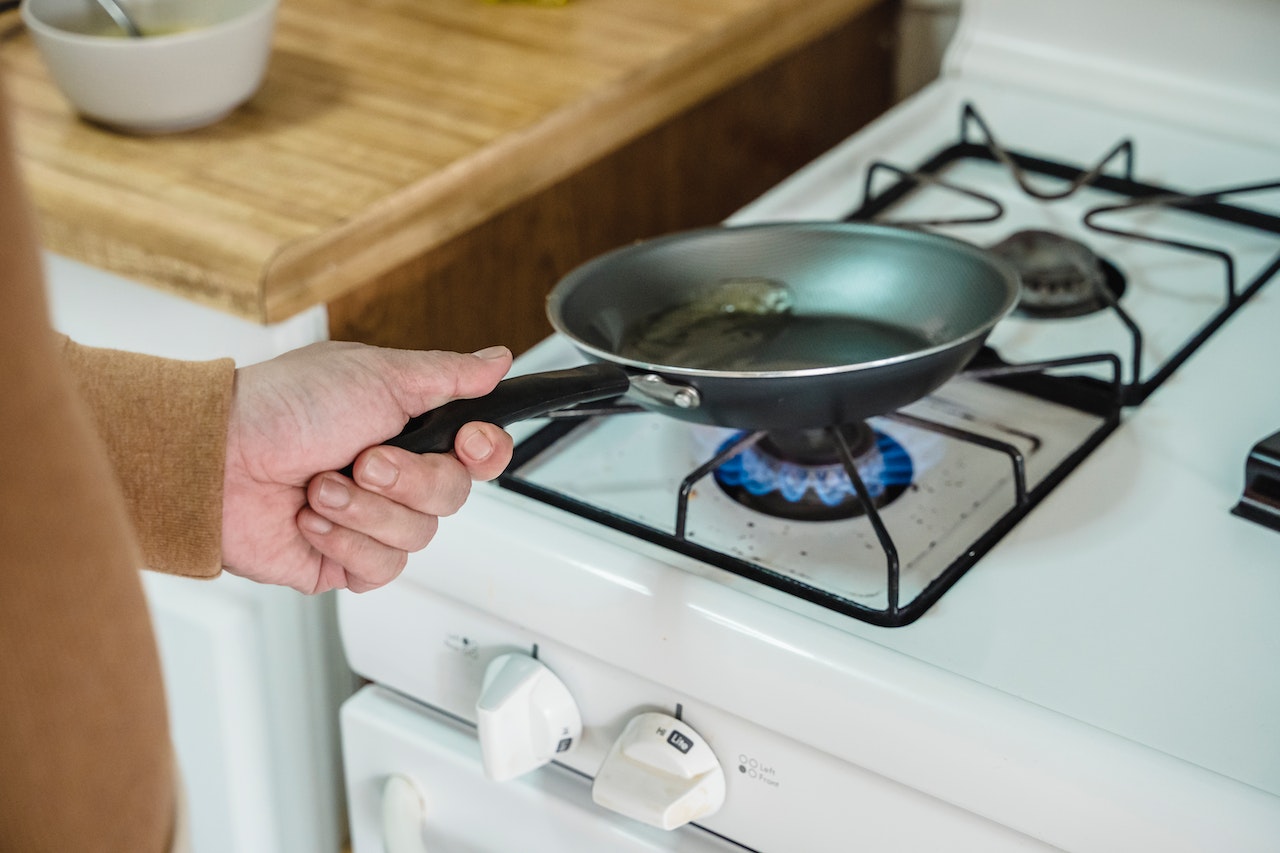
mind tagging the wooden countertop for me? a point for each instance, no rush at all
(384, 128)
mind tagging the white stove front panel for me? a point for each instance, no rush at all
(781, 795)
(388, 737)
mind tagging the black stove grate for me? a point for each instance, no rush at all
(1033, 379)
(1136, 195)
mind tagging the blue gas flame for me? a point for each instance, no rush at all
(888, 465)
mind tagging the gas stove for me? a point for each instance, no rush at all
(1019, 613)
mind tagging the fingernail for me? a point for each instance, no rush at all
(333, 494)
(315, 523)
(377, 471)
(477, 445)
(492, 353)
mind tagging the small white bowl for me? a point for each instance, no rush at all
(197, 61)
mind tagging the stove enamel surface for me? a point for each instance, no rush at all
(1098, 673)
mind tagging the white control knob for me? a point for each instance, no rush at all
(525, 717)
(660, 772)
(404, 814)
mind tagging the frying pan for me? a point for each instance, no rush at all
(784, 325)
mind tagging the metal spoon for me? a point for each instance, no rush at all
(122, 19)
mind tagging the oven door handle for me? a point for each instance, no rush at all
(404, 815)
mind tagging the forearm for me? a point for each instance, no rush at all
(164, 423)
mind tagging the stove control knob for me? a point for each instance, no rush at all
(525, 717)
(660, 772)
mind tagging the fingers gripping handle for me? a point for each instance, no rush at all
(515, 399)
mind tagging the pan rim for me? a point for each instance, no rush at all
(1004, 271)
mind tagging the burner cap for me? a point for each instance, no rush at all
(814, 447)
(1061, 277)
(799, 474)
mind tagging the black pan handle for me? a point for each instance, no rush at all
(516, 399)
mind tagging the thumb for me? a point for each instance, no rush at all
(431, 379)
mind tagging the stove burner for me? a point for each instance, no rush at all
(798, 474)
(1061, 277)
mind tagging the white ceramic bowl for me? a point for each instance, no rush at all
(197, 61)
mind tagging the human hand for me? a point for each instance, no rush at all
(289, 518)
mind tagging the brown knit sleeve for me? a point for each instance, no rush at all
(164, 423)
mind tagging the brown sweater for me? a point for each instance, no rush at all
(112, 462)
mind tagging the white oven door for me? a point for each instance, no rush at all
(415, 785)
